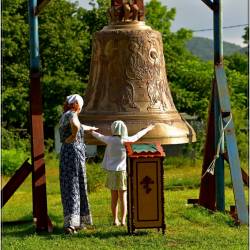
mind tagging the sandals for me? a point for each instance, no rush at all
(82, 227)
(70, 230)
(119, 224)
(73, 230)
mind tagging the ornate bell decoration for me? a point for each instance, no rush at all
(128, 80)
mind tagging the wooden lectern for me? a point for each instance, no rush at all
(145, 186)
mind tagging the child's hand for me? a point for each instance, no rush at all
(94, 128)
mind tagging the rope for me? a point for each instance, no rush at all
(211, 166)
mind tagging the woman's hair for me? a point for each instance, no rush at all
(73, 102)
(73, 106)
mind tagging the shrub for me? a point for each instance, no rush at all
(15, 139)
(49, 146)
(12, 159)
(95, 176)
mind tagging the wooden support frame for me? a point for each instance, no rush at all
(15, 181)
(232, 149)
(220, 126)
(40, 212)
(207, 187)
(40, 6)
(39, 196)
(209, 3)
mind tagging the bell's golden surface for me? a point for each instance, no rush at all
(128, 82)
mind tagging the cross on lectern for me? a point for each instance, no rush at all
(146, 181)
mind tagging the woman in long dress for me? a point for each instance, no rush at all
(73, 181)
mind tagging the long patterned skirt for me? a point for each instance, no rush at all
(73, 183)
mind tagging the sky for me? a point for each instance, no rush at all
(195, 15)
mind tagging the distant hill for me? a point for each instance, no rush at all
(203, 48)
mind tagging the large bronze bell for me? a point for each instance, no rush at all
(128, 80)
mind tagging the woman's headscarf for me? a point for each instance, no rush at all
(119, 128)
(75, 98)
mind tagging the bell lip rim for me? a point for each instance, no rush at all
(162, 140)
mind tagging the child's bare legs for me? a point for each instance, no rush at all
(114, 206)
(123, 201)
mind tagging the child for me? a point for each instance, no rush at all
(114, 162)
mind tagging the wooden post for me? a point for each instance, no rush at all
(37, 136)
(207, 186)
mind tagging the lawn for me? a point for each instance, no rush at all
(188, 226)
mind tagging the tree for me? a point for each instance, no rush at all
(160, 18)
(246, 35)
(96, 18)
(65, 56)
(238, 80)
(191, 86)
(238, 62)
(15, 66)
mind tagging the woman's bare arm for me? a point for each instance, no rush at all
(75, 126)
(86, 127)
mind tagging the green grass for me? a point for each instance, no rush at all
(188, 226)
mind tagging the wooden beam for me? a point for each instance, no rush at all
(209, 3)
(40, 6)
(37, 152)
(232, 149)
(245, 176)
(193, 201)
(40, 214)
(207, 196)
(15, 181)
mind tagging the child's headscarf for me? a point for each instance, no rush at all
(75, 98)
(119, 128)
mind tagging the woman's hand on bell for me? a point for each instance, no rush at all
(94, 128)
(151, 126)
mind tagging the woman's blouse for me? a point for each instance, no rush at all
(65, 128)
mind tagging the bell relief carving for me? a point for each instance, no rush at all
(130, 68)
